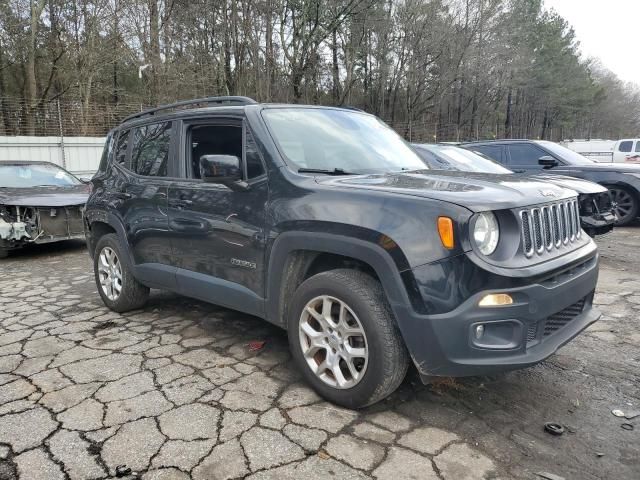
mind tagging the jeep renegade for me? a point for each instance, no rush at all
(325, 222)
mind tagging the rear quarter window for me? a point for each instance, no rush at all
(121, 148)
(106, 153)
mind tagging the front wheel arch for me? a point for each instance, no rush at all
(288, 244)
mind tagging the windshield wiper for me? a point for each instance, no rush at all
(335, 171)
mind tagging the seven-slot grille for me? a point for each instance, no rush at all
(549, 226)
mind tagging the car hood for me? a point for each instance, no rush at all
(577, 184)
(49, 196)
(476, 191)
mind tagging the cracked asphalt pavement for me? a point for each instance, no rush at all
(173, 391)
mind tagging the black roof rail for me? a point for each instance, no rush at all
(351, 107)
(232, 100)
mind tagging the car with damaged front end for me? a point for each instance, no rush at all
(325, 222)
(40, 202)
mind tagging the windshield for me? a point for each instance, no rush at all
(565, 154)
(326, 139)
(449, 157)
(38, 174)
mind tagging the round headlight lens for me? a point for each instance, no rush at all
(486, 233)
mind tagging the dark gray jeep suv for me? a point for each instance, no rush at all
(325, 222)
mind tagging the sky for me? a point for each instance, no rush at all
(607, 30)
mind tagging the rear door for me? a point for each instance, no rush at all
(148, 167)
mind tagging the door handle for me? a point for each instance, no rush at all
(180, 203)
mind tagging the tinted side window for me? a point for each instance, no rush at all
(638, 146)
(525, 154)
(255, 168)
(121, 148)
(494, 152)
(150, 153)
(625, 146)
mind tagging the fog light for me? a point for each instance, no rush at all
(496, 299)
(478, 331)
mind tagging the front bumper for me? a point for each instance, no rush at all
(598, 224)
(546, 314)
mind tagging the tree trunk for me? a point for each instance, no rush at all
(507, 121)
(228, 74)
(31, 81)
(545, 125)
(335, 68)
(154, 40)
(115, 38)
(4, 109)
(269, 57)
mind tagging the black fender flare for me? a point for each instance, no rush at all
(116, 223)
(370, 253)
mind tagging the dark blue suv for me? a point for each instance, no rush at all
(325, 222)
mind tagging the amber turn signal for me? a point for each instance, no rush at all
(445, 229)
(496, 300)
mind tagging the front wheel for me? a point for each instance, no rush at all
(344, 338)
(119, 290)
(625, 205)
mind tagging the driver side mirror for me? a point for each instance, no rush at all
(223, 169)
(547, 161)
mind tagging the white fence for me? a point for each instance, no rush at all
(79, 155)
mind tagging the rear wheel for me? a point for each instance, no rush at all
(625, 205)
(4, 253)
(343, 336)
(119, 290)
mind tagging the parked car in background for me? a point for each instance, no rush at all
(537, 156)
(596, 208)
(325, 222)
(596, 149)
(40, 202)
(626, 150)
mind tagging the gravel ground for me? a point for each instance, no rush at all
(174, 392)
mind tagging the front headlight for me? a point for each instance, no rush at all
(486, 233)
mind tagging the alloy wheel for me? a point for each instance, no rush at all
(333, 342)
(623, 203)
(110, 273)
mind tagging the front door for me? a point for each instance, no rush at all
(524, 157)
(218, 233)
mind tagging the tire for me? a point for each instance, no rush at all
(132, 293)
(4, 253)
(383, 367)
(625, 205)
